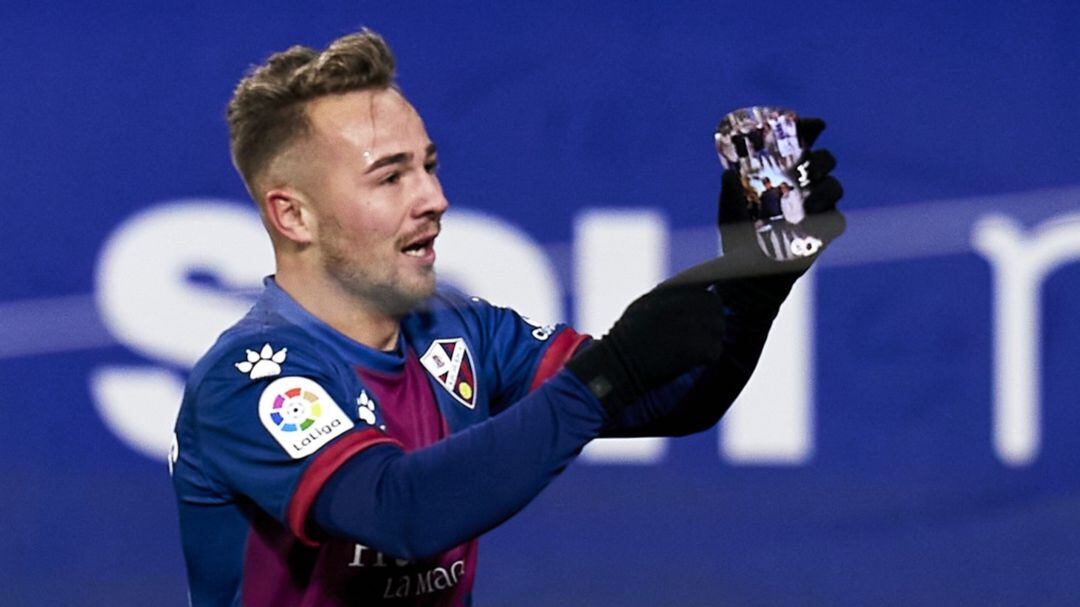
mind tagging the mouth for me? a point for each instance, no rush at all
(422, 247)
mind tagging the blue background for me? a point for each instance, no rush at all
(538, 113)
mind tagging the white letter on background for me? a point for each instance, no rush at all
(143, 291)
(618, 255)
(486, 256)
(771, 422)
(1020, 263)
(149, 305)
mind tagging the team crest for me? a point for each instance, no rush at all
(450, 363)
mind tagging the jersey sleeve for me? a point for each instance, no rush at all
(522, 354)
(417, 504)
(275, 428)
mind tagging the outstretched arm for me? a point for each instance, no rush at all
(398, 502)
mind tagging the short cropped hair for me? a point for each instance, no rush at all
(266, 112)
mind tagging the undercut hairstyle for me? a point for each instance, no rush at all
(266, 113)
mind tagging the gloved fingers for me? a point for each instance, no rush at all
(826, 226)
(813, 167)
(808, 130)
(823, 196)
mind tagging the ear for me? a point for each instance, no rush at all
(289, 214)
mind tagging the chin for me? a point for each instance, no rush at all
(402, 299)
(394, 294)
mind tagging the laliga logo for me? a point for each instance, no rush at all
(300, 415)
(295, 410)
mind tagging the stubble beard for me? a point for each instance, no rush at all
(384, 291)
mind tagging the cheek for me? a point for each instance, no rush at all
(374, 227)
(373, 233)
(381, 216)
(364, 215)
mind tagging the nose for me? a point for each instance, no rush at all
(430, 199)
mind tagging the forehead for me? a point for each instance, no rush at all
(378, 122)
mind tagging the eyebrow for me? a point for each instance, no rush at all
(401, 158)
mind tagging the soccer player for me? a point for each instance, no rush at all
(347, 441)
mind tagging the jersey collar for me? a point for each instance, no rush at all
(344, 346)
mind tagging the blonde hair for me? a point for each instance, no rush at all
(266, 112)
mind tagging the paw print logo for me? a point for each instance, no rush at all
(264, 363)
(365, 408)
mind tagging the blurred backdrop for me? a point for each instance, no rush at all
(912, 435)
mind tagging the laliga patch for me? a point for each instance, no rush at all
(450, 363)
(301, 416)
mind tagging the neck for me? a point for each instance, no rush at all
(351, 316)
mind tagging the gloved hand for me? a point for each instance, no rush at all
(664, 333)
(822, 224)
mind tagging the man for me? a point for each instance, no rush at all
(770, 200)
(349, 439)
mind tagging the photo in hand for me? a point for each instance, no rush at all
(762, 144)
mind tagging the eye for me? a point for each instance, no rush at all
(391, 179)
(432, 167)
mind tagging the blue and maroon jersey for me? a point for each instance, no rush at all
(282, 400)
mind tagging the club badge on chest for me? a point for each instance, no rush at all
(450, 362)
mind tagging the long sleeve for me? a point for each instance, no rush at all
(416, 504)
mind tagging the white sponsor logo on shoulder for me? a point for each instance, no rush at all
(301, 416)
(365, 408)
(264, 363)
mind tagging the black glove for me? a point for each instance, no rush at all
(661, 335)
